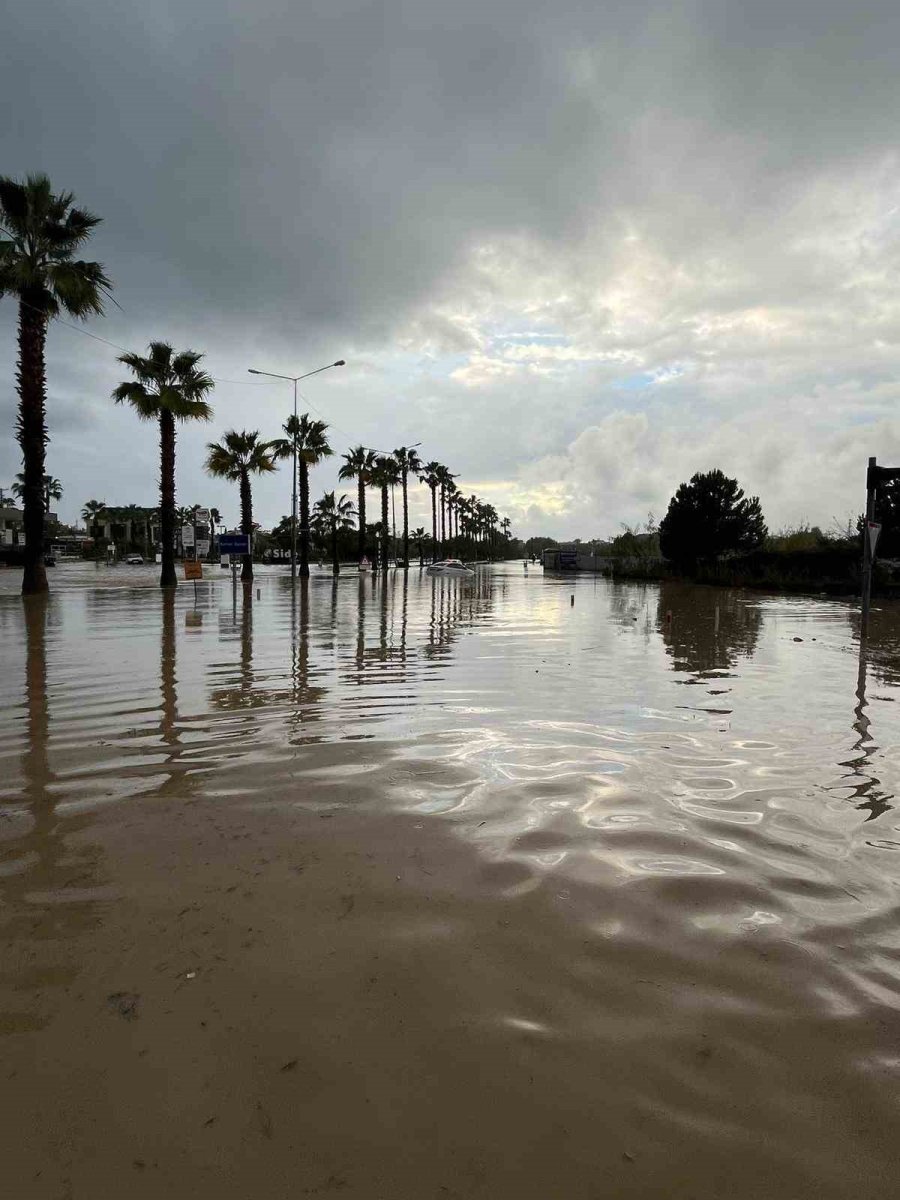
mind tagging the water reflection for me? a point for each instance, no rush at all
(49, 880)
(862, 783)
(706, 629)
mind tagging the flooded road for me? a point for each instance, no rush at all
(415, 889)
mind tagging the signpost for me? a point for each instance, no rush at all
(193, 570)
(234, 543)
(187, 537)
(875, 476)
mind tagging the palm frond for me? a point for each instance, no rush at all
(144, 403)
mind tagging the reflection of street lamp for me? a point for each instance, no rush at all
(295, 379)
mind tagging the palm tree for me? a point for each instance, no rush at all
(385, 474)
(419, 537)
(452, 514)
(51, 489)
(445, 480)
(330, 515)
(167, 387)
(409, 464)
(42, 232)
(236, 457)
(90, 514)
(307, 439)
(490, 521)
(359, 464)
(431, 477)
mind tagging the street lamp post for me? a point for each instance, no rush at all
(295, 379)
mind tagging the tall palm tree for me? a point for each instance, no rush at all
(236, 457)
(431, 477)
(385, 474)
(167, 387)
(90, 514)
(307, 439)
(330, 515)
(409, 464)
(359, 464)
(40, 233)
(490, 521)
(419, 537)
(472, 522)
(445, 480)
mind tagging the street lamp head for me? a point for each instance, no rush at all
(340, 363)
(252, 372)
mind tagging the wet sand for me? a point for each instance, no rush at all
(435, 891)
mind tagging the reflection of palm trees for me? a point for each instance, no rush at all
(177, 781)
(241, 694)
(306, 697)
(862, 784)
(167, 665)
(709, 628)
(453, 604)
(51, 864)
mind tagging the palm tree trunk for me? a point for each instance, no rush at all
(32, 431)
(405, 525)
(361, 505)
(385, 555)
(167, 577)
(303, 466)
(246, 526)
(335, 564)
(433, 523)
(443, 524)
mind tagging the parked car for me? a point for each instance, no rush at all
(135, 560)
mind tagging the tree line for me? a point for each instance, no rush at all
(42, 235)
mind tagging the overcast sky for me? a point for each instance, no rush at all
(578, 249)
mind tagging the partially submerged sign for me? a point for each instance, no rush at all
(193, 570)
(234, 543)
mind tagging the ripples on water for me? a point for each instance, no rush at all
(701, 783)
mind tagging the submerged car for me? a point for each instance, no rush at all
(451, 566)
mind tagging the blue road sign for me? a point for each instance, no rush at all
(234, 543)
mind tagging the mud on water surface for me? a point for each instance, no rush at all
(413, 889)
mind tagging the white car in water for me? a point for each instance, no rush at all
(134, 560)
(452, 567)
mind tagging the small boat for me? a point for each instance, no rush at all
(451, 566)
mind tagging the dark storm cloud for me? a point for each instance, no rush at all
(322, 164)
(282, 182)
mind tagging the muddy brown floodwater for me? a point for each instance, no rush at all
(417, 890)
